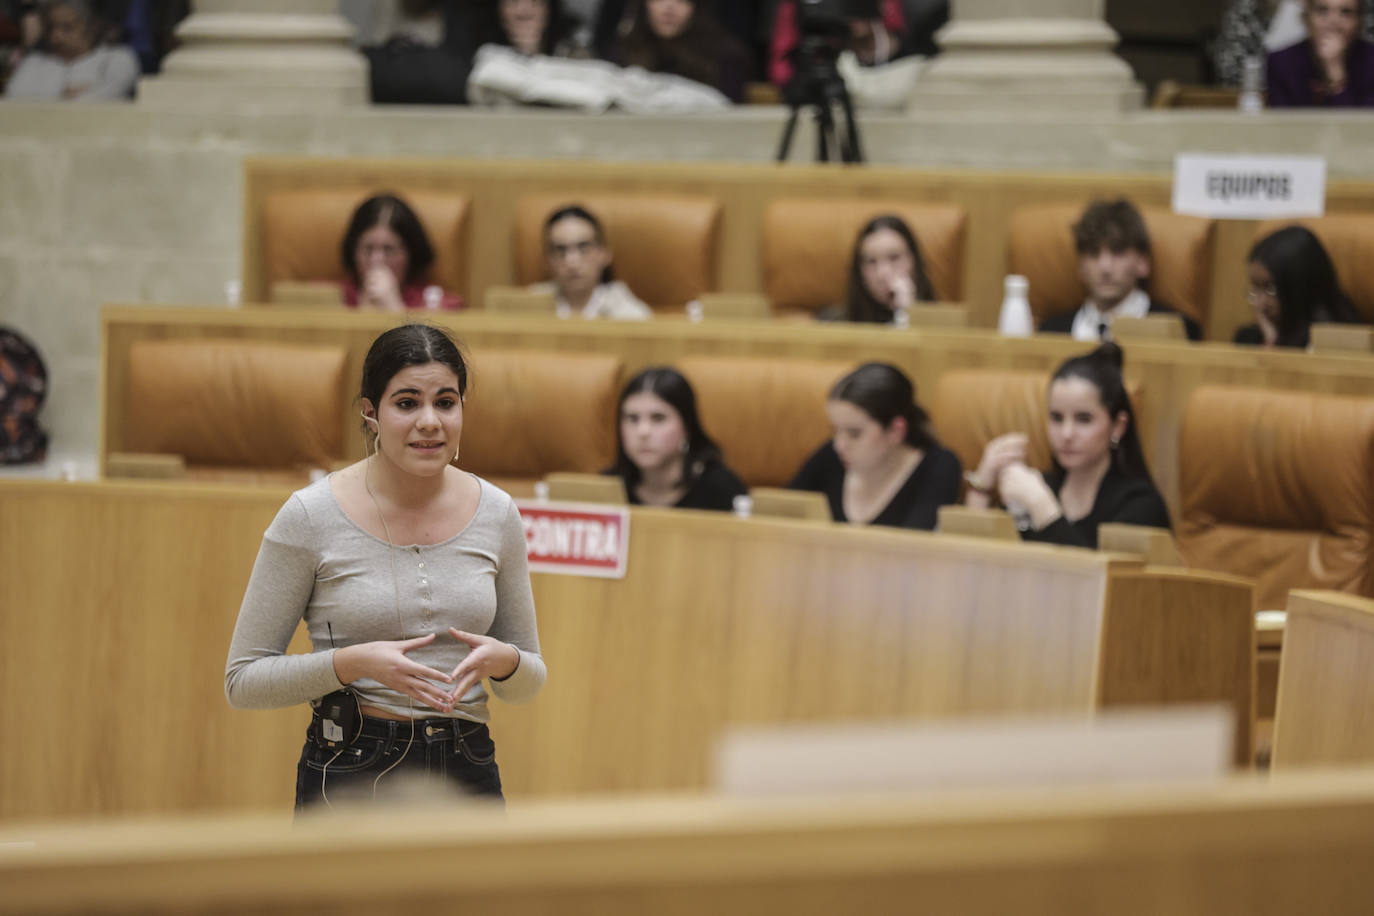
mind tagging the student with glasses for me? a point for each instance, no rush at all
(1293, 286)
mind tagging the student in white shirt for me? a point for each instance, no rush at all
(1114, 263)
(72, 65)
(579, 263)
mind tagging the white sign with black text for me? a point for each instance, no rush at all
(1249, 187)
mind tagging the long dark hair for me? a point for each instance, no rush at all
(1305, 280)
(695, 54)
(672, 386)
(391, 211)
(1102, 369)
(409, 345)
(883, 391)
(577, 211)
(860, 304)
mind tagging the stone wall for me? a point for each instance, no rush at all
(128, 204)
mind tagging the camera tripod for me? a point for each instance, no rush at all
(819, 86)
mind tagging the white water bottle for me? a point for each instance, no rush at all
(1015, 318)
(743, 505)
(1251, 99)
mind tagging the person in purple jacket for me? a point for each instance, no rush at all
(1331, 68)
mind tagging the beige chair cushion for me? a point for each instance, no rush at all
(302, 230)
(664, 245)
(808, 244)
(236, 404)
(1040, 246)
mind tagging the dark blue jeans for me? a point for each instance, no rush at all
(445, 756)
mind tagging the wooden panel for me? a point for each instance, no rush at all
(1164, 372)
(1251, 846)
(1325, 709)
(1176, 637)
(494, 186)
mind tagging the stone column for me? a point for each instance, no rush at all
(1027, 56)
(293, 54)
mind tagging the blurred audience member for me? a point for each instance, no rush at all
(579, 263)
(1332, 67)
(386, 259)
(750, 21)
(1099, 473)
(532, 27)
(884, 465)
(1293, 286)
(874, 41)
(1114, 263)
(887, 274)
(70, 62)
(663, 454)
(1252, 28)
(681, 38)
(146, 26)
(421, 51)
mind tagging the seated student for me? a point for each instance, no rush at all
(662, 453)
(1114, 263)
(681, 38)
(886, 274)
(1332, 67)
(579, 261)
(531, 27)
(1293, 286)
(71, 63)
(1099, 472)
(386, 257)
(884, 465)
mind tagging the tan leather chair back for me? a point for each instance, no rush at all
(530, 412)
(1349, 239)
(808, 244)
(302, 230)
(237, 403)
(971, 407)
(767, 415)
(1040, 247)
(1279, 486)
(664, 245)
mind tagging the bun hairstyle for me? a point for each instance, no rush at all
(577, 211)
(391, 211)
(1305, 280)
(673, 388)
(409, 345)
(859, 302)
(883, 391)
(1102, 369)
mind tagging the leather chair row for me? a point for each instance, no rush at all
(667, 245)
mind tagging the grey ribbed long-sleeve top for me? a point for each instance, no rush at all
(316, 564)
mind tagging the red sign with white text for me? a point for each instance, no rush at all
(576, 539)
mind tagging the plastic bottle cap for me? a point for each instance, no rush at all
(1016, 283)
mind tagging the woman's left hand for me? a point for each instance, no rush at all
(489, 658)
(1024, 487)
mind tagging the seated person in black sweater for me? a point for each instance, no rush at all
(1293, 286)
(1114, 263)
(1099, 472)
(884, 465)
(662, 453)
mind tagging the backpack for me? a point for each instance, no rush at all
(23, 385)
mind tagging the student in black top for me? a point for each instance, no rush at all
(1114, 263)
(884, 465)
(662, 453)
(1099, 472)
(1293, 286)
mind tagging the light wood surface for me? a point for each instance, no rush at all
(569, 486)
(493, 188)
(1296, 844)
(718, 621)
(982, 523)
(775, 502)
(1154, 545)
(1164, 373)
(1325, 707)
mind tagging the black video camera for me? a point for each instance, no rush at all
(832, 17)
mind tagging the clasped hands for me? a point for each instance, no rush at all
(388, 663)
(1003, 469)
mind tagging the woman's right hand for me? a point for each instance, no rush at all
(1001, 453)
(387, 663)
(380, 290)
(1331, 48)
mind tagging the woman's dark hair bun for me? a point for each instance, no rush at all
(1109, 352)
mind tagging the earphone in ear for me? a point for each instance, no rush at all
(367, 419)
